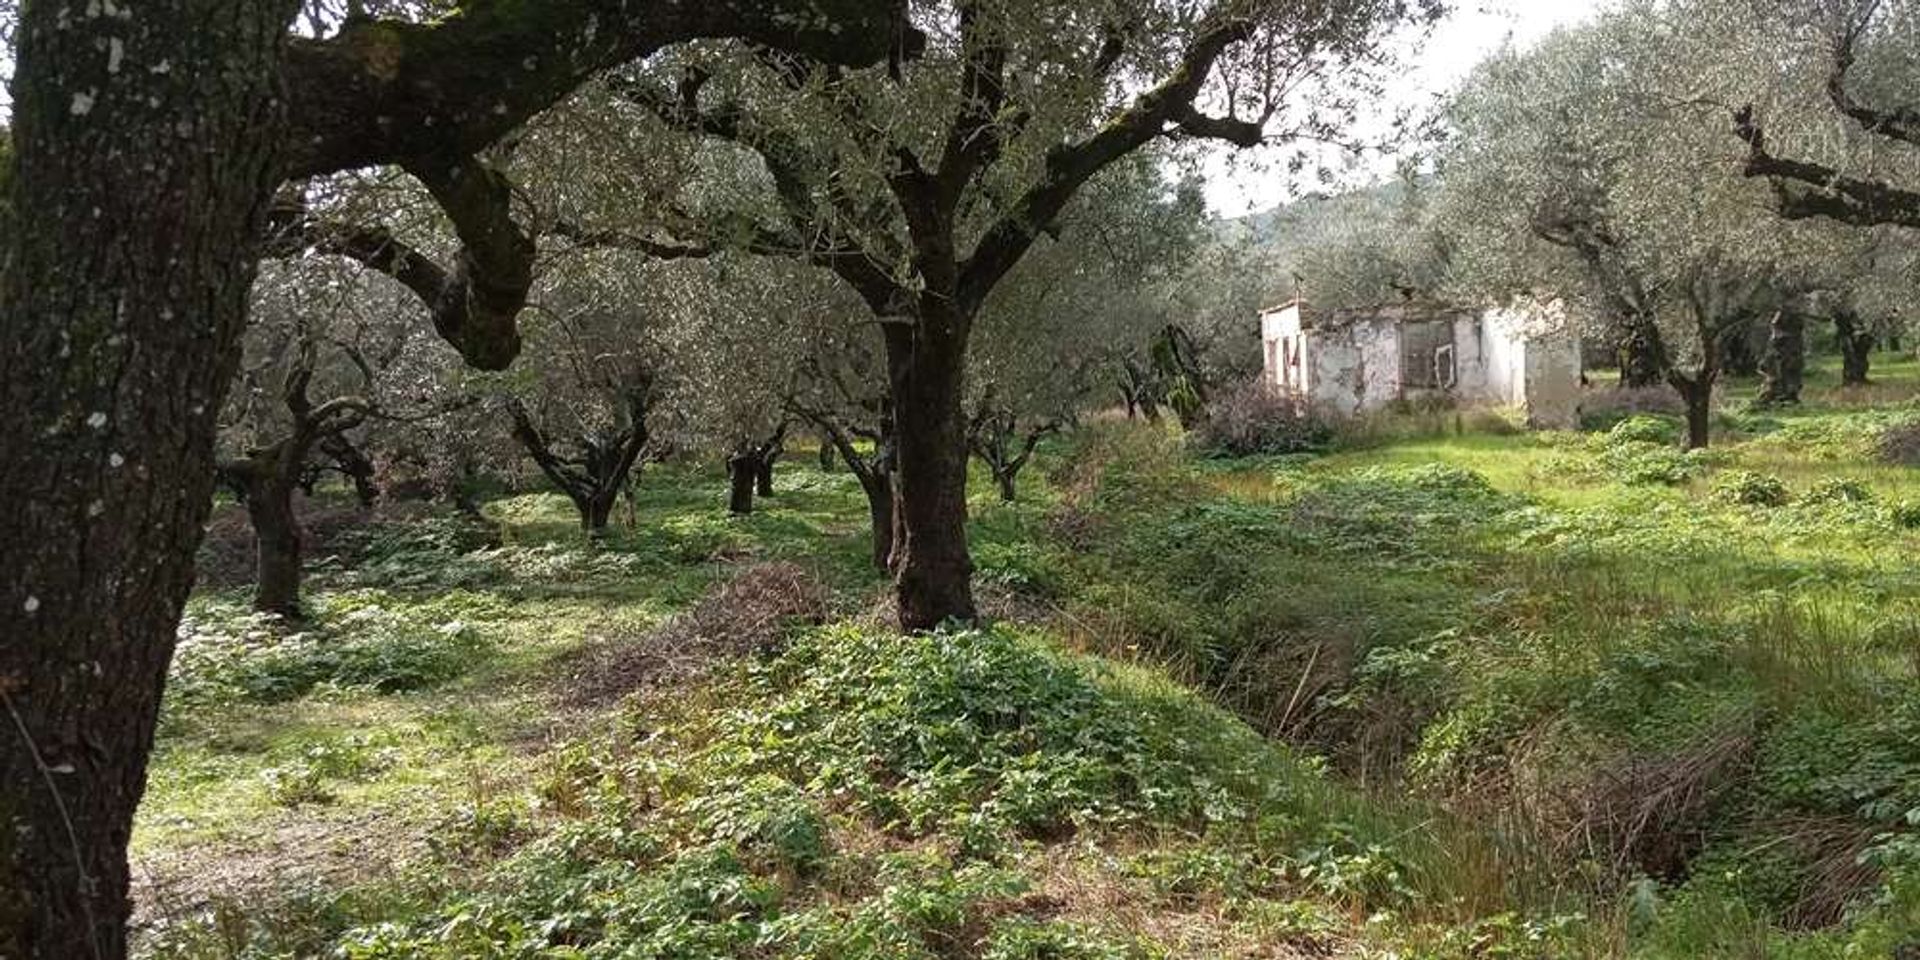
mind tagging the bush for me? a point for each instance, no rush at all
(1253, 419)
(1637, 464)
(1603, 409)
(1747, 488)
(1645, 429)
(1839, 491)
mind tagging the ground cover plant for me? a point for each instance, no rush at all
(1436, 692)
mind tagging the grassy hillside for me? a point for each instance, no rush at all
(1450, 691)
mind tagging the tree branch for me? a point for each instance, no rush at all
(384, 91)
(1804, 190)
(1152, 114)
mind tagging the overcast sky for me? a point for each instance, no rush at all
(1240, 182)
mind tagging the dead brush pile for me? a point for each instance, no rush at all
(1637, 813)
(1899, 444)
(747, 613)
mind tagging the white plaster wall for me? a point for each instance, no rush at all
(1553, 382)
(1336, 374)
(1544, 352)
(1469, 358)
(1506, 362)
(1377, 343)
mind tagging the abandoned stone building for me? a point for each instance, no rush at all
(1356, 361)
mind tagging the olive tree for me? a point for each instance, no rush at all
(147, 141)
(1586, 169)
(580, 402)
(922, 184)
(1074, 310)
(325, 353)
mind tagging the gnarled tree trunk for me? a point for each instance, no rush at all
(1639, 360)
(763, 475)
(743, 469)
(354, 464)
(1785, 364)
(1856, 347)
(931, 566)
(594, 479)
(276, 540)
(138, 197)
(1697, 394)
(994, 436)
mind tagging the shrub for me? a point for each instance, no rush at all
(1253, 419)
(1638, 464)
(1644, 429)
(1603, 409)
(1839, 491)
(1906, 514)
(1747, 488)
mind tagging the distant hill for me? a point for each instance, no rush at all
(1309, 215)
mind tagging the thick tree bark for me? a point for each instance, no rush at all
(276, 540)
(1785, 364)
(1639, 361)
(931, 566)
(826, 455)
(742, 471)
(147, 140)
(137, 198)
(1856, 347)
(763, 474)
(1698, 396)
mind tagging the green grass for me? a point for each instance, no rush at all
(1447, 693)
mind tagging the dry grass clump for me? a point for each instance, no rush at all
(1899, 444)
(1640, 812)
(747, 613)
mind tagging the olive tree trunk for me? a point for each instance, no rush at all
(1698, 397)
(742, 471)
(276, 540)
(763, 474)
(1856, 347)
(1784, 367)
(145, 153)
(932, 570)
(1639, 360)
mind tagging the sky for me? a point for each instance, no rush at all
(1241, 182)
